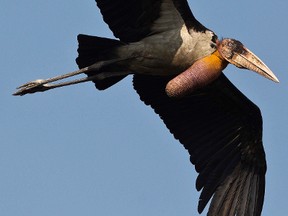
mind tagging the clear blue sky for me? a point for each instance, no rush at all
(77, 151)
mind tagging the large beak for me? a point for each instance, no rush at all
(235, 53)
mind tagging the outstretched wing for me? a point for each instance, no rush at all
(132, 20)
(222, 131)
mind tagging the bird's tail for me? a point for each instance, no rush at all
(93, 49)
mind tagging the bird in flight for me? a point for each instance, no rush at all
(177, 65)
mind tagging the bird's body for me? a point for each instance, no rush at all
(154, 53)
(148, 56)
(177, 65)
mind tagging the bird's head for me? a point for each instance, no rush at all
(237, 54)
(209, 68)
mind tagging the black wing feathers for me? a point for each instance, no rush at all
(187, 15)
(218, 125)
(222, 131)
(132, 20)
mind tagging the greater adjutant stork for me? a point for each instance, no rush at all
(177, 65)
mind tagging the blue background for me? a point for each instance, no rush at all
(78, 151)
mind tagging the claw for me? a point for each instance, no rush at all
(31, 84)
(31, 87)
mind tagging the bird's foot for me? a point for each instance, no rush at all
(32, 87)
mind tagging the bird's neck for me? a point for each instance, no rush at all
(200, 74)
(215, 61)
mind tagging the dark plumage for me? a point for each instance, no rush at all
(222, 131)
